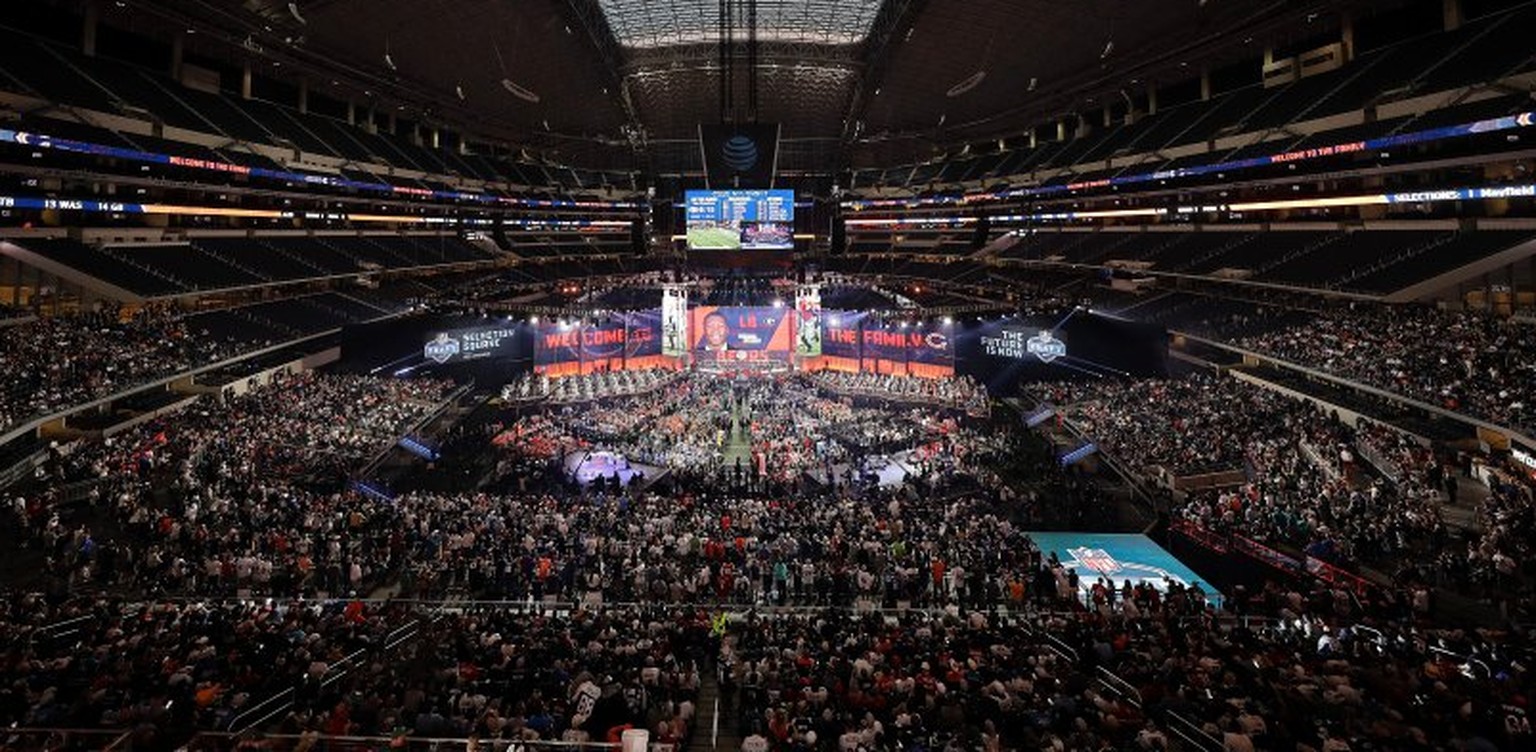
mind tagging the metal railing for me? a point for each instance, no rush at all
(60, 739)
(61, 629)
(281, 702)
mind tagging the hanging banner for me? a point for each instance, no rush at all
(674, 321)
(808, 321)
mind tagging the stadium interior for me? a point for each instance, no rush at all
(768, 375)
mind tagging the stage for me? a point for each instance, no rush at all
(1120, 558)
(587, 467)
(887, 470)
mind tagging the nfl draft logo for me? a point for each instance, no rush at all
(1096, 559)
(441, 349)
(1045, 347)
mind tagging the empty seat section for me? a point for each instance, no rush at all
(128, 274)
(182, 262)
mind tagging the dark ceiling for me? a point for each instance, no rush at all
(625, 83)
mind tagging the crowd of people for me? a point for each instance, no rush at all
(1185, 426)
(1292, 666)
(587, 387)
(959, 392)
(1466, 362)
(785, 426)
(1306, 481)
(849, 617)
(58, 362)
(249, 494)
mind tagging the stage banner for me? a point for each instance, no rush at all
(604, 341)
(556, 344)
(931, 351)
(808, 321)
(739, 334)
(840, 333)
(674, 321)
(645, 333)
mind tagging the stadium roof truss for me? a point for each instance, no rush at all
(647, 24)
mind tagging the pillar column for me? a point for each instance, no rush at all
(88, 28)
(1454, 17)
(1347, 35)
(178, 53)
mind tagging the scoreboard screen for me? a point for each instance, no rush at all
(747, 220)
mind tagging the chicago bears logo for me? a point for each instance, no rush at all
(1045, 347)
(441, 349)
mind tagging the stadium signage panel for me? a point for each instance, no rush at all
(1490, 125)
(43, 141)
(466, 344)
(1015, 344)
(1524, 458)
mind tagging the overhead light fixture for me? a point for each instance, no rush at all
(521, 92)
(293, 10)
(1109, 49)
(1033, 82)
(459, 90)
(390, 61)
(970, 82)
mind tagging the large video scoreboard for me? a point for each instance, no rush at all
(749, 220)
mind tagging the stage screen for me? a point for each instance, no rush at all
(744, 220)
(1002, 353)
(740, 334)
(624, 341)
(855, 341)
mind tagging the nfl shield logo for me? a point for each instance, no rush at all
(441, 349)
(1096, 559)
(1045, 347)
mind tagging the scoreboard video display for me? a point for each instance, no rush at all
(748, 220)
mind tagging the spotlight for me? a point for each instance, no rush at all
(533, 319)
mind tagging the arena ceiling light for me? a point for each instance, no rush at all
(521, 92)
(970, 82)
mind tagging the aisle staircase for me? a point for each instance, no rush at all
(716, 727)
(739, 442)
